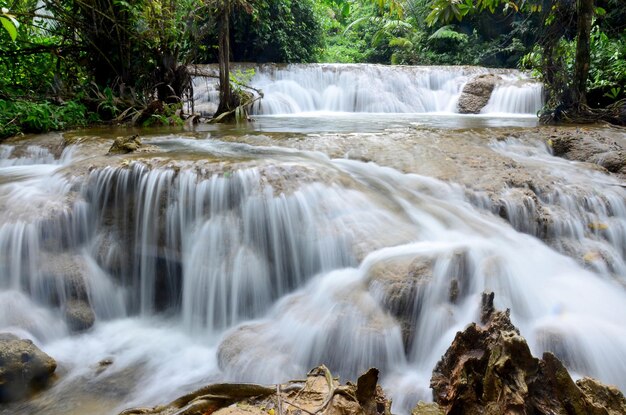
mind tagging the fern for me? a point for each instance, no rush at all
(448, 32)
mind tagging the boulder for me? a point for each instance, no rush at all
(476, 93)
(489, 370)
(78, 315)
(23, 368)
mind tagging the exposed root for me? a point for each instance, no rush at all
(614, 114)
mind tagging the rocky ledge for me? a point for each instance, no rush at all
(488, 370)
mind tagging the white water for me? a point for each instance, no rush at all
(337, 88)
(260, 273)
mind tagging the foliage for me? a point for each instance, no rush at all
(9, 23)
(29, 117)
(445, 11)
(276, 31)
(607, 73)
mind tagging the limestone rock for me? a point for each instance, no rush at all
(23, 368)
(586, 146)
(401, 285)
(490, 371)
(124, 145)
(64, 277)
(476, 93)
(78, 315)
(608, 397)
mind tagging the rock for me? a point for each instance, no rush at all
(23, 368)
(490, 371)
(423, 408)
(78, 315)
(608, 397)
(63, 277)
(400, 284)
(476, 93)
(124, 145)
(587, 146)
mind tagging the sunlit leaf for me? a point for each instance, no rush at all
(10, 24)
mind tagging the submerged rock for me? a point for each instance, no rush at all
(78, 315)
(23, 368)
(476, 93)
(489, 370)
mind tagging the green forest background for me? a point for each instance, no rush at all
(67, 63)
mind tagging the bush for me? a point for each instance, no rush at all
(31, 117)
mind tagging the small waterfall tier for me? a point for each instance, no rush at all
(363, 88)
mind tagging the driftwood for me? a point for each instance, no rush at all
(203, 400)
(319, 394)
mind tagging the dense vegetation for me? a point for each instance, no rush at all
(78, 60)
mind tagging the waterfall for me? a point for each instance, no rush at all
(344, 88)
(216, 260)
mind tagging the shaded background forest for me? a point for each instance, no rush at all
(70, 62)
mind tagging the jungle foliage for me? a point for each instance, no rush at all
(117, 57)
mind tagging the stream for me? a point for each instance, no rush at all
(338, 228)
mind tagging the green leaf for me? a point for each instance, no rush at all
(10, 24)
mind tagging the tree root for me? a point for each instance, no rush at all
(292, 398)
(614, 114)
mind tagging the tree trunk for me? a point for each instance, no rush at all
(224, 57)
(583, 50)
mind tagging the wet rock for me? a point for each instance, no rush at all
(476, 93)
(603, 396)
(400, 285)
(587, 146)
(109, 252)
(490, 370)
(64, 277)
(124, 145)
(78, 315)
(23, 368)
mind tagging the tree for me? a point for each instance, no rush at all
(585, 12)
(228, 100)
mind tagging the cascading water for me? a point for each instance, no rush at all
(215, 260)
(340, 88)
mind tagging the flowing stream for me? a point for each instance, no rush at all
(247, 256)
